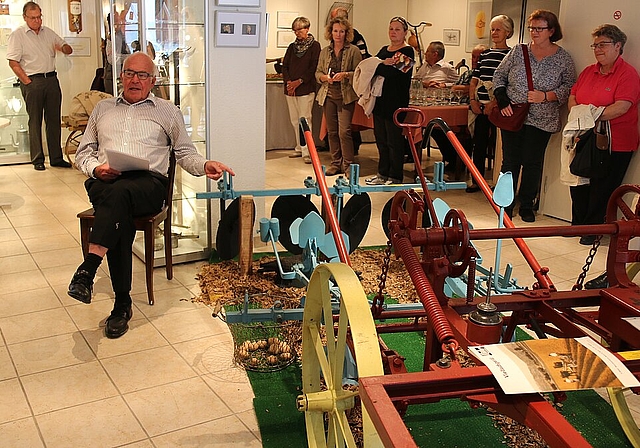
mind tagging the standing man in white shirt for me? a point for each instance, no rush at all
(435, 72)
(31, 53)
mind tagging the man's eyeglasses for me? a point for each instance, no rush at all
(537, 29)
(142, 76)
(601, 45)
(34, 18)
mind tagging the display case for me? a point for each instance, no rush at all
(172, 32)
(14, 134)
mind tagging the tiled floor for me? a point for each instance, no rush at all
(169, 381)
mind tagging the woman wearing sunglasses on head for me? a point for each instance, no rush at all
(553, 74)
(395, 94)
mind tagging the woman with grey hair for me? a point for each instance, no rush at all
(336, 66)
(553, 75)
(481, 100)
(613, 83)
(298, 73)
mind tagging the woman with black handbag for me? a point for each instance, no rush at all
(615, 84)
(553, 74)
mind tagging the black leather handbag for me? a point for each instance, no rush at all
(592, 153)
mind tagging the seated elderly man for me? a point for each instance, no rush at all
(139, 124)
(435, 72)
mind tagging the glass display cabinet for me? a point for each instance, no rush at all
(172, 32)
(14, 134)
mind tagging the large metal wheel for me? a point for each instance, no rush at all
(625, 417)
(323, 357)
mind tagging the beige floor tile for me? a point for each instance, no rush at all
(27, 302)
(13, 405)
(9, 248)
(6, 365)
(188, 325)
(34, 215)
(166, 408)
(141, 336)
(4, 221)
(8, 235)
(145, 369)
(228, 432)
(50, 353)
(68, 386)
(174, 300)
(26, 282)
(17, 263)
(212, 355)
(104, 423)
(250, 421)
(64, 241)
(21, 433)
(237, 395)
(142, 444)
(37, 325)
(41, 231)
(60, 257)
(59, 275)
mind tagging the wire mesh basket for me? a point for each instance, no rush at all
(264, 346)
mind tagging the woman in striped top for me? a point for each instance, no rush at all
(481, 92)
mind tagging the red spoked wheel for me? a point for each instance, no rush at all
(457, 245)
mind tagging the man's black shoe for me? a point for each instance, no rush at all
(527, 215)
(39, 167)
(587, 240)
(598, 283)
(62, 164)
(118, 323)
(81, 286)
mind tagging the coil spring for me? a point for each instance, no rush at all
(427, 296)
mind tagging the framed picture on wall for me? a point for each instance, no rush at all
(238, 2)
(285, 37)
(237, 29)
(451, 37)
(478, 18)
(286, 18)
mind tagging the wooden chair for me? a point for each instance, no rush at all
(147, 224)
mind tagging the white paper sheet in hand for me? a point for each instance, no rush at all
(125, 162)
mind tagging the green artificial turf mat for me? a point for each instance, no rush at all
(281, 424)
(446, 424)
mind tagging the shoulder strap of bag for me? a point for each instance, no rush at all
(527, 65)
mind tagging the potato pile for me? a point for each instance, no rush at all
(265, 354)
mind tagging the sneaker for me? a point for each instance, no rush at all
(375, 180)
(295, 154)
(333, 170)
(307, 160)
(380, 181)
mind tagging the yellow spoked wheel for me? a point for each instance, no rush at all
(621, 409)
(325, 360)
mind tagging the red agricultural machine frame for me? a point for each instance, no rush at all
(432, 254)
(446, 251)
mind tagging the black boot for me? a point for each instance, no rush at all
(599, 282)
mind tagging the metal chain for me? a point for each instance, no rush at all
(587, 264)
(378, 300)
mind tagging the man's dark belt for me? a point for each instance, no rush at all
(43, 75)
